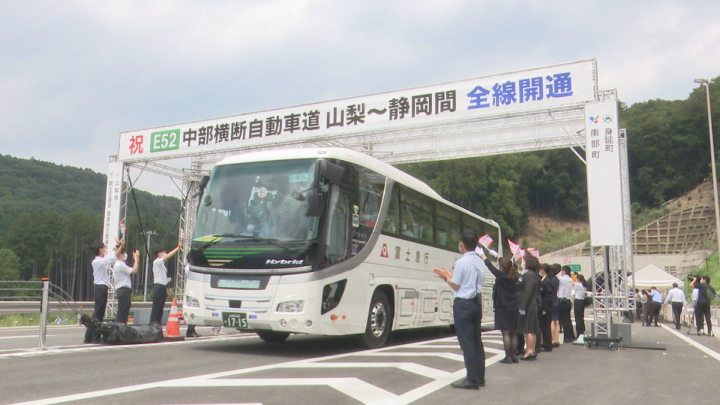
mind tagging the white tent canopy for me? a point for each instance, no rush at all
(653, 276)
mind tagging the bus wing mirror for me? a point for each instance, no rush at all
(314, 203)
(201, 190)
(330, 170)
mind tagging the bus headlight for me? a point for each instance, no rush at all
(291, 306)
(192, 302)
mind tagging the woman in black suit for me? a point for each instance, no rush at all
(506, 305)
(527, 305)
(702, 305)
(547, 288)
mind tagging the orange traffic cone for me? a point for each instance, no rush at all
(172, 332)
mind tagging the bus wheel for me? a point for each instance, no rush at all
(271, 336)
(379, 321)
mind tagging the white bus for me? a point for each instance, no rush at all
(323, 241)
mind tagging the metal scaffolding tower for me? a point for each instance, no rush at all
(484, 127)
(612, 266)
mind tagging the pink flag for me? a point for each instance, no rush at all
(486, 241)
(519, 254)
(513, 247)
(534, 252)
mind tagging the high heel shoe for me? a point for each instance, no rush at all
(515, 359)
(506, 360)
(531, 356)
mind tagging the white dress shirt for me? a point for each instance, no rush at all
(676, 295)
(565, 288)
(160, 272)
(580, 291)
(122, 274)
(101, 268)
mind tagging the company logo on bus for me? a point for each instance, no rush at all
(284, 262)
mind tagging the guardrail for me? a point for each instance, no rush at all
(55, 307)
(49, 298)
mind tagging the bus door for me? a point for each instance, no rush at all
(430, 304)
(407, 308)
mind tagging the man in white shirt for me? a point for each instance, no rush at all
(161, 281)
(676, 297)
(123, 283)
(565, 301)
(101, 280)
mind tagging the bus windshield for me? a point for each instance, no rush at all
(260, 200)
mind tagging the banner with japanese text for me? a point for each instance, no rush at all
(113, 201)
(602, 154)
(569, 84)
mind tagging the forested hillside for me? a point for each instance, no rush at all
(668, 152)
(50, 215)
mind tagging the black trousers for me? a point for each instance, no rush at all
(159, 294)
(654, 312)
(566, 321)
(545, 331)
(702, 312)
(648, 312)
(579, 317)
(677, 311)
(123, 299)
(100, 295)
(467, 328)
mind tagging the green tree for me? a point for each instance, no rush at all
(33, 238)
(9, 265)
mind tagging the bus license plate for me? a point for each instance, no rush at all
(235, 320)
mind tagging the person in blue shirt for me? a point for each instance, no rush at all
(657, 300)
(466, 281)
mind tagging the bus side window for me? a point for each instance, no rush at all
(448, 227)
(470, 223)
(392, 218)
(416, 215)
(371, 187)
(338, 227)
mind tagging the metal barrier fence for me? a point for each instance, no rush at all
(32, 297)
(21, 290)
(22, 296)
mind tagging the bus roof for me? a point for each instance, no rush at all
(351, 156)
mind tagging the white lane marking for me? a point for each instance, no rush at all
(455, 346)
(89, 395)
(415, 368)
(360, 390)
(351, 386)
(29, 352)
(37, 328)
(23, 337)
(710, 352)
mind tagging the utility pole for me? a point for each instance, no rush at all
(706, 82)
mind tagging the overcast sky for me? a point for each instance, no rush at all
(74, 74)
